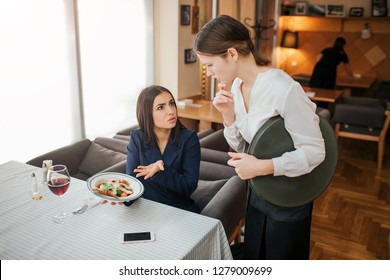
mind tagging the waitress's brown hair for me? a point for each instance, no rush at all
(145, 114)
(224, 32)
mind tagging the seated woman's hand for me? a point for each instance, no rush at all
(150, 170)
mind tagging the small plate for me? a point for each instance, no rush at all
(138, 188)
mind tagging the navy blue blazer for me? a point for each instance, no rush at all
(179, 179)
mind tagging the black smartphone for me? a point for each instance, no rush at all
(136, 237)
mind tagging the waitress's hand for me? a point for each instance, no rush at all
(150, 170)
(248, 166)
(224, 103)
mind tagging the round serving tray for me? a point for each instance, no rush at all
(273, 140)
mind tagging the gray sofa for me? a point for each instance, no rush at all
(86, 158)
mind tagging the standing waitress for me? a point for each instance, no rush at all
(259, 92)
(325, 71)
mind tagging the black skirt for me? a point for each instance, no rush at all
(273, 233)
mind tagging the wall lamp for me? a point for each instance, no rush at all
(289, 39)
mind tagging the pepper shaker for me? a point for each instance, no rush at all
(34, 188)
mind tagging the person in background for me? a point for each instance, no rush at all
(258, 93)
(325, 71)
(162, 153)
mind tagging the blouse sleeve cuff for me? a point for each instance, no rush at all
(278, 166)
(230, 130)
(232, 126)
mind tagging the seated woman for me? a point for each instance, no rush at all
(163, 154)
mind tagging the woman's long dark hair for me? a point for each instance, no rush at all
(224, 32)
(145, 114)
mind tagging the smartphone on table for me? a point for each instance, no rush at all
(138, 237)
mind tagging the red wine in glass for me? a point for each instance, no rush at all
(59, 186)
(58, 181)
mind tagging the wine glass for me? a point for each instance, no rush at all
(58, 180)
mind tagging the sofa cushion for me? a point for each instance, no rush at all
(205, 191)
(214, 156)
(117, 145)
(205, 132)
(229, 204)
(215, 141)
(81, 176)
(210, 171)
(98, 158)
(122, 137)
(127, 131)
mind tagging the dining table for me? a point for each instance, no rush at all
(203, 112)
(27, 231)
(363, 86)
(323, 95)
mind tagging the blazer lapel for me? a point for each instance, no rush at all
(170, 152)
(152, 154)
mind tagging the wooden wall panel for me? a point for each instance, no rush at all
(302, 23)
(228, 7)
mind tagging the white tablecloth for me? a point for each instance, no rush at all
(28, 232)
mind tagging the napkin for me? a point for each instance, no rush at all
(88, 204)
(310, 93)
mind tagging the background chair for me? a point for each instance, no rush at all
(383, 91)
(363, 118)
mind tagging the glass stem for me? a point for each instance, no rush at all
(61, 210)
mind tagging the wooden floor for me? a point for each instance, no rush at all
(351, 219)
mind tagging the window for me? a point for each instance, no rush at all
(116, 61)
(38, 67)
(35, 91)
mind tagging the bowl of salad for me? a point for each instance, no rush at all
(115, 186)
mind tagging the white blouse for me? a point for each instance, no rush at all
(276, 93)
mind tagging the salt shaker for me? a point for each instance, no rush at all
(46, 164)
(44, 173)
(34, 188)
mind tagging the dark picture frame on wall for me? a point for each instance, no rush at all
(301, 8)
(189, 56)
(185, 14)
(379, 8)
(356, 11)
